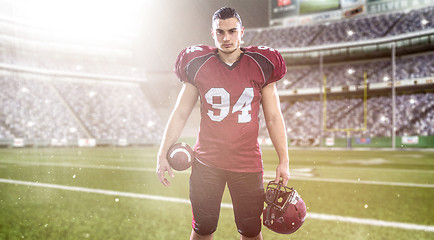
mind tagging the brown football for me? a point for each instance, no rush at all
(180, 156)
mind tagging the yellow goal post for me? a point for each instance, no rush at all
(365, 109)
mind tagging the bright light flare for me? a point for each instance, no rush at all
(90, 18)
(424, 22)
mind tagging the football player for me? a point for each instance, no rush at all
(231, 82)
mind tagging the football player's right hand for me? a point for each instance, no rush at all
(163, 167)
(282, 173)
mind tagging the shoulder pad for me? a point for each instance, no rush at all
(274, 57)
(186, 56)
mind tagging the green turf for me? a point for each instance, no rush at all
(29, 212)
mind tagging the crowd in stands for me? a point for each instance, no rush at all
(352, 73)
(49, 105)
(47, 108)
(414, 117)
(26, 47)
(111, 110)
(30, 109)
(414, 112)
(71, 64)
(348, 30)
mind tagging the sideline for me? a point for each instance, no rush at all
(318, 216)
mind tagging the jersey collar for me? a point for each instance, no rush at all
(234, 65)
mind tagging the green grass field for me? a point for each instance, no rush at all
(113, 193)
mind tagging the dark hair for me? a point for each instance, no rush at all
(225, 13)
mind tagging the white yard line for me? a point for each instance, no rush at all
(370, 169)
(364, 168)
(318, 216)
(336, 180)
(72, 165)
(372, 222)
(299, 167)
(297, 174)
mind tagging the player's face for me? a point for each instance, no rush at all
(227, 34)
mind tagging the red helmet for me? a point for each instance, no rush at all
(286, 211)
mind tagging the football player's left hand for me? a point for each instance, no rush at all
(282, 173)
(163, 166)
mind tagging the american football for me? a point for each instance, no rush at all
(180, 156)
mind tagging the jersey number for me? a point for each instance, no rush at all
(193, 48)
(243, 105)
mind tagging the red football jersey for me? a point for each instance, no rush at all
(230, 100)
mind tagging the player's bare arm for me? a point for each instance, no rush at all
(187, 98)
(276, 128)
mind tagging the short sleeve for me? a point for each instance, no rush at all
(185, 57)
(272, 63)
(276, 59)
(279, 67)
(180, 66)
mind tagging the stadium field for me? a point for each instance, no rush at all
(113, 193)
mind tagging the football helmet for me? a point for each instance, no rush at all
(285, 211)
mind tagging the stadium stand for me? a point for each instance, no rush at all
(303, 113)
(66, 89)
(110, 110)
(47, 108)
(349, 30)
(30, 109)
(351, 73)
(32, 48)
(62, 88)
(415, 117)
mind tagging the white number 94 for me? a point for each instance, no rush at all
(243, 104)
